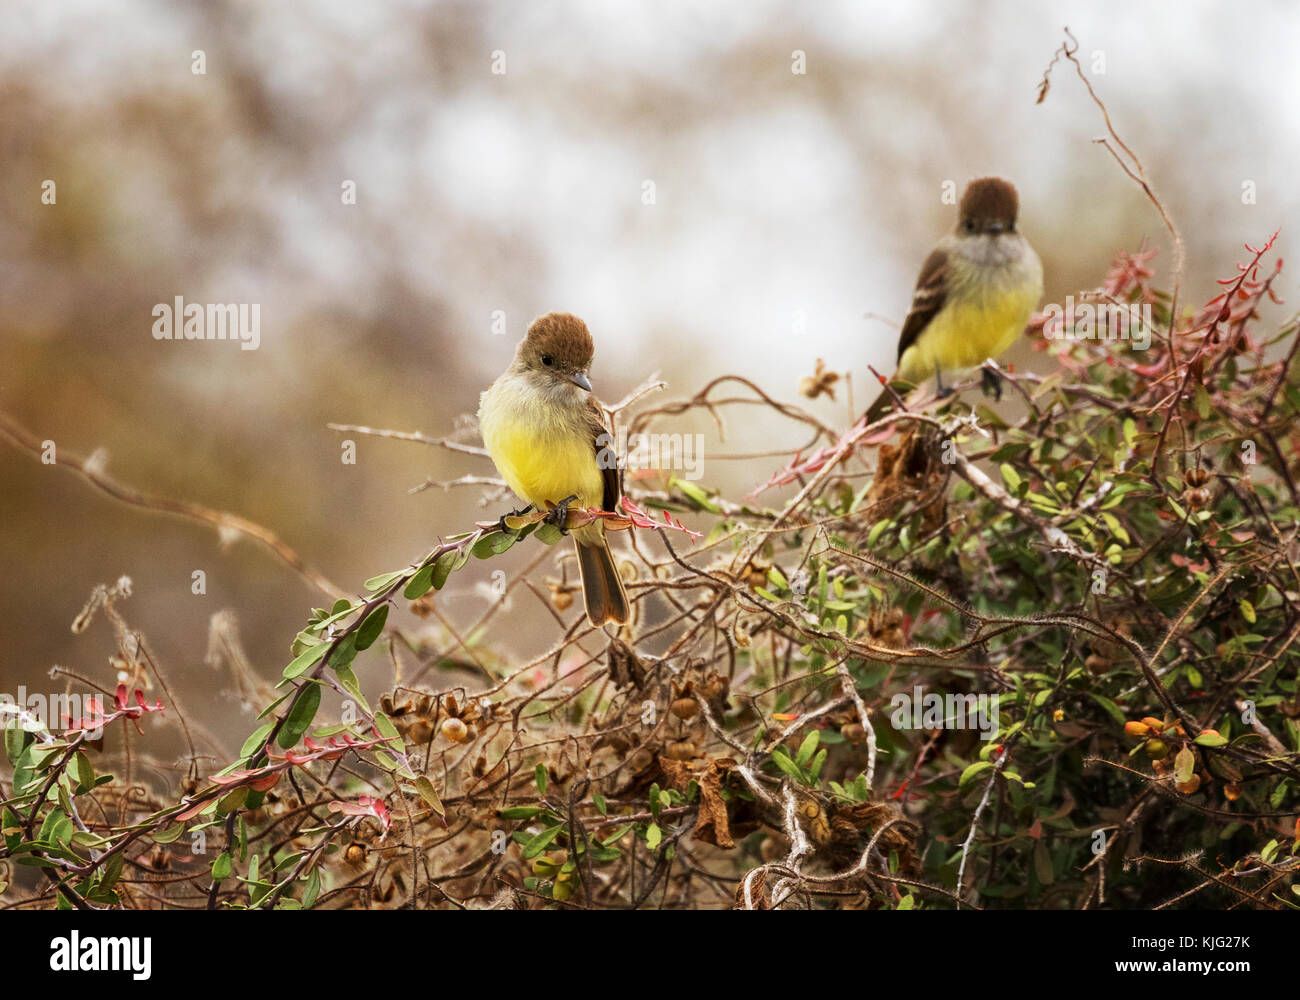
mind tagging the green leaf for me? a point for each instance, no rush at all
(169, 835)
(1210, 740)
(372, 627)
(221, 867)
(311, 889)
(521, 812)
(383, 580)
(10, 828)
(653, 836)
(427, 792)
(601, 806)
(300, 717)
(1011, 477)
(85, 773)
(419, 584)
(807, 748)
(783, 761)
(541, 841)
(494, 544)
(345, 652)
(876, 531)
(449, 561)
(16, 741)
(112, 870)
(305, 661)
(1203, 405)
(352, 686)
(1184, 765)
(539, 775)
(1113, 710)
(255, 741)
(233, 800)
(548, 534)
(1247, 611)
(57, 828)
(275, 704)
(386, 728)
(973, 771)
(617, 835)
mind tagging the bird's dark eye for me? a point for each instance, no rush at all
(547, 360)
(970, 225)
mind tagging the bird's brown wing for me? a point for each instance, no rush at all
(929, 297)
(606, 455)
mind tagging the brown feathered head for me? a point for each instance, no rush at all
(989, 205)
(561, 344)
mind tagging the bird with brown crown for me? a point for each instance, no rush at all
(974, 296)
(547, 435)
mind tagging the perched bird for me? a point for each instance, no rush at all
(547, 435)
(974, 296)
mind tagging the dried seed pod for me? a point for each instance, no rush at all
(685, 708)
(455, 731)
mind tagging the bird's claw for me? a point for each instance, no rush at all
(559, 514)
(991, 382)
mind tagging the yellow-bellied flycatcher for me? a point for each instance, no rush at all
(975, 293)
(548, 437)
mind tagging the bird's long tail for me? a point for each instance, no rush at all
(602, 587)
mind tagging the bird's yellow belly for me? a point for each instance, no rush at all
(544, 468)
(964, 337)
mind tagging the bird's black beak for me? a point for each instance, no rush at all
(580, 379)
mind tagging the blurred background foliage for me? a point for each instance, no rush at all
(787, 209)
